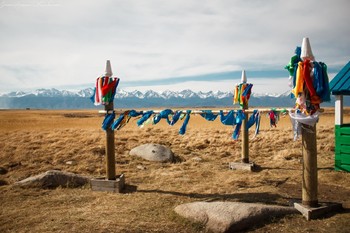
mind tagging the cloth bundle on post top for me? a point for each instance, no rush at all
(242, 94)
(105, 90)
(310, 80)
(310, 86)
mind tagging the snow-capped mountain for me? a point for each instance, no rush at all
(51, 93)
(80, 99)
(88, 92)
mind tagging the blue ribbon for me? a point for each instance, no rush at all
(254, 119)
(134, 113)
(239, 118)
(247, 89)
(144, 117)
(229, 119)
(117, 122)
(114, 91)
(163, 114)
(208, 115)
(182, 130)
(237, 131)
(325, 95)
(108, 120)
(176, 117)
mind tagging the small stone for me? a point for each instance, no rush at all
(197, 159)
(140, 167)
(71, 162)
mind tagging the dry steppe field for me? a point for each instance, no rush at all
(34, 141)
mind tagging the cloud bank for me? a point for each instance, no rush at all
(56, 42)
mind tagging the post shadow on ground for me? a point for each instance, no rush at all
(263, 197)
(128, 188)
(258, 168)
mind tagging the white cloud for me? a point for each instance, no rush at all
(68, 42)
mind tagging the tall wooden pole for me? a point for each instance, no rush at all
(244, 129)
(110, 148)
(245, 140)
(309, 182)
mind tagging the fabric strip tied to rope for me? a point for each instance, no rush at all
(232, 118)
(108, 121)
(182, 130)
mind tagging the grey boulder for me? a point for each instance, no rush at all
(230, 216)
(53, 179)
(153, 152)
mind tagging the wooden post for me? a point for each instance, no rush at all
(110, 148)
(338, 110)
(245, 135)
(245, 140)
(309, 178)
(112, 182)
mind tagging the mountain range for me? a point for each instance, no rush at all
(80, 99)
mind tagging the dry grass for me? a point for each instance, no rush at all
(32, 142)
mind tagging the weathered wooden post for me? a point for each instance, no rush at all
(111, 183)
(110, 146)
(309, 178)
(245, 140)
(243, 100)
(245, 134)
(307, 106)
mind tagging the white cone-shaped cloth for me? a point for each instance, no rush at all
(244, 77)
(306, 52)
(108, 69)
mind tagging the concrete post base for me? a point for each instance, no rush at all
(104, 185)
(241, 166)
(316, 212)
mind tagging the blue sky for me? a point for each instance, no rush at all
(156, 44)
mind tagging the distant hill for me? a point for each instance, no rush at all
(63, 99)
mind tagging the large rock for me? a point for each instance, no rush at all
(153, 152)
(230, 216)
(53, 179)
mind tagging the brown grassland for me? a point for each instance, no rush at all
(35, 141)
